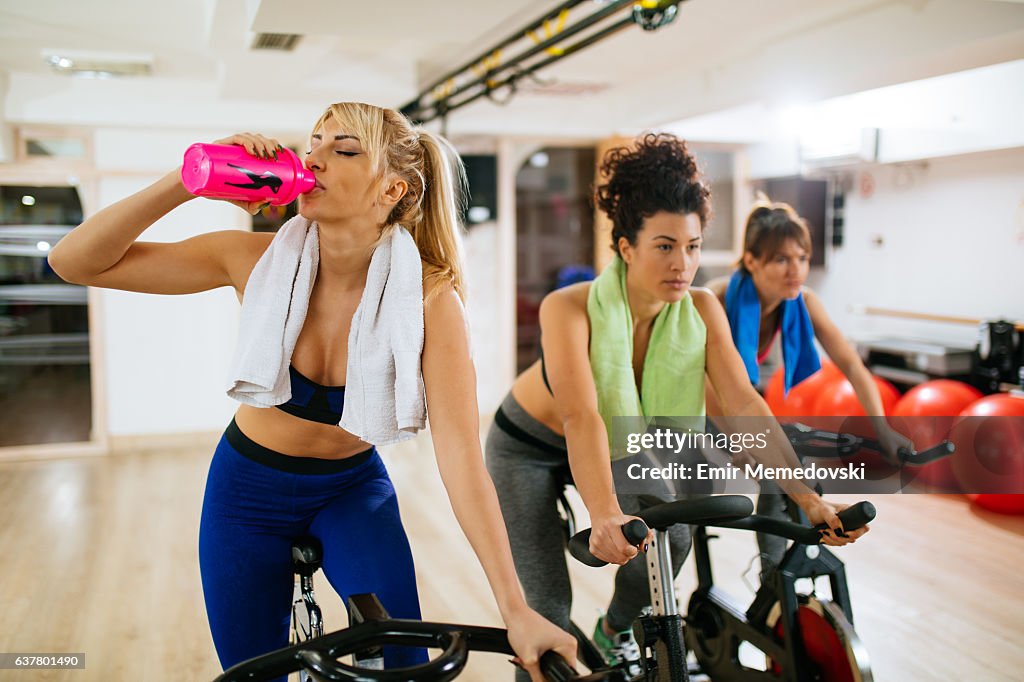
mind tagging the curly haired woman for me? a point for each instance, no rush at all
(635, 341)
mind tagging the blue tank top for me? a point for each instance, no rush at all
(313, 402)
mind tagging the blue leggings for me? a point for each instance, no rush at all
(257, 501)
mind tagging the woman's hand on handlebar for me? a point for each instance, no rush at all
(607, 542)
(530, 635)
(823, 511)
(891, 442)
(260, 147)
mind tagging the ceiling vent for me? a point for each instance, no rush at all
(98, 64)
(282, 42)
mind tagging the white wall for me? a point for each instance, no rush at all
(943, 229)
(952, 234)
(486, 311)
(958, 113)
(165, 358)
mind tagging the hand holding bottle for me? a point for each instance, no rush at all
(246, 169)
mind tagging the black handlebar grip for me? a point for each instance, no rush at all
(635, 531)
(853, 517)
(579, 544)
(555, 669)
(579, 548)
(943, 449)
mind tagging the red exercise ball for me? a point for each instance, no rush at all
(989, 439)
(801, 397)
(925, 416)
(1001, 504)
(840, 400)
(939, 398)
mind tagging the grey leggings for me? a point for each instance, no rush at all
(771, 502)
(529, 477)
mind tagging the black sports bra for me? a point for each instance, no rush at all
(544, 371)
(313, 402)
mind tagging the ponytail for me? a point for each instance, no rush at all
(438, 230)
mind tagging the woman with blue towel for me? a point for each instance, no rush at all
(775, 319)
(352, 325)
(637, 341)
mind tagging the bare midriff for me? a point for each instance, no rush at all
(290, 435)
(533, 396)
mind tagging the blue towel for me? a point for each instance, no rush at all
(743, 307)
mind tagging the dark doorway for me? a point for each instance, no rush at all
(554, 234)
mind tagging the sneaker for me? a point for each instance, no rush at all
(620, 650)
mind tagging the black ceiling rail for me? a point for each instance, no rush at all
(513, 38)
(436, 102)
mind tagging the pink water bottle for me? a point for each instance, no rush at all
(227, 171)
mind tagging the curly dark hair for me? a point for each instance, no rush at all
(657, 173)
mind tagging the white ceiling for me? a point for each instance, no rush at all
(718, 54)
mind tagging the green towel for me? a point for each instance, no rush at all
(673, 375)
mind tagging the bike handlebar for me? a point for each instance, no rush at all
(579, 545)
(917, 459)
(555, 669)
(732, 511)
(445, 667)
(319, 655)
(818, 443)
(704, 511)
(853, 517)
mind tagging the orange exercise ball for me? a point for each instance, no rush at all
(989, 439)
(840, 400)
(925, 415)
(773, 393)
(802, 396)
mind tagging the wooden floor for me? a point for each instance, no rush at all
(100, 558)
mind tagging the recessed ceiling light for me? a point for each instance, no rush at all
(98, 64)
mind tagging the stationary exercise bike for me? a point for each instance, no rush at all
(804, 637)
(777, 604)
(315, 655)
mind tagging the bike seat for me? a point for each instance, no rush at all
(307, 555)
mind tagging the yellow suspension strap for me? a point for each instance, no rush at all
(489, 63)
(443, 90)
(550, 32)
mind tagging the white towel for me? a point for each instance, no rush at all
(384, 395)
